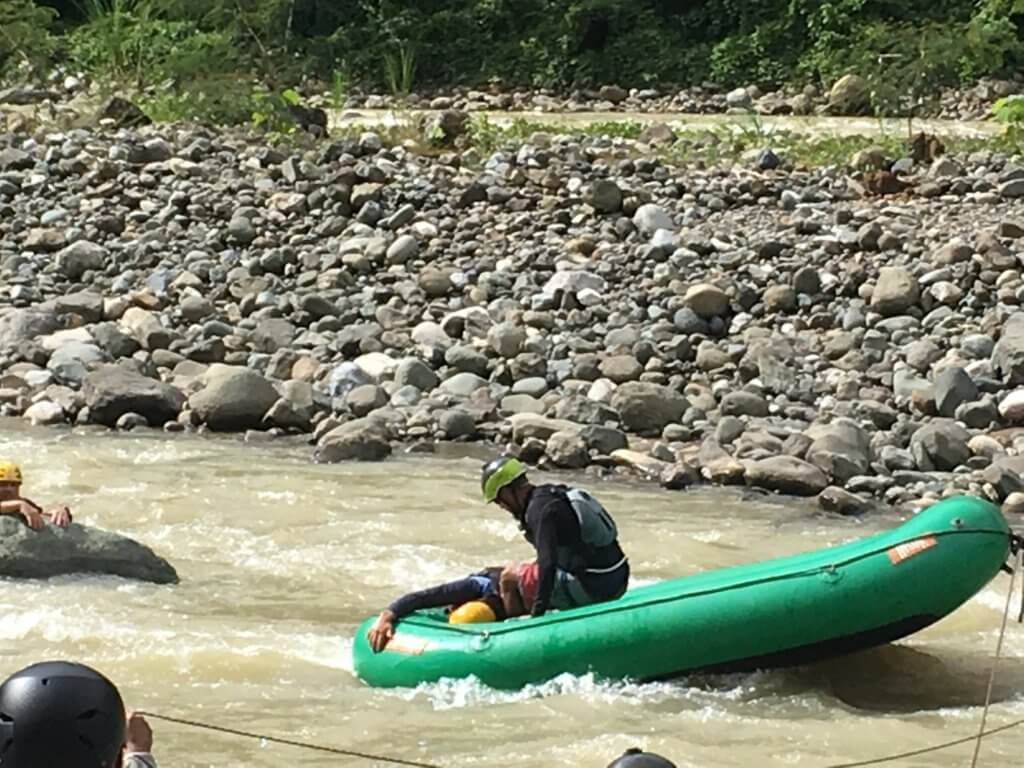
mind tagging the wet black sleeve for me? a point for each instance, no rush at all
(546, 542)
(452, 593)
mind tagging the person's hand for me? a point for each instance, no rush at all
(32, 514)
(382, 631)
(59, 516)
(138, 735)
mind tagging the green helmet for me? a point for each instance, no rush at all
(499, 473)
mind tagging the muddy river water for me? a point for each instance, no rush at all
(280, 559)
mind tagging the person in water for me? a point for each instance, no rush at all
(13, 503)
(62, 715)
(475, 598)
(579, 560)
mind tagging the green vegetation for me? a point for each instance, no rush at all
(736, 141)
(400, 69)
(633, 42)
(248, 61)
(25, 40)
(1010, 111)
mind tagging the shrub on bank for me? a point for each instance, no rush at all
(200, 58)
(632, 42)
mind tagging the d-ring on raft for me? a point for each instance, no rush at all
(774, 613)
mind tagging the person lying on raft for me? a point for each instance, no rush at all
(13, 503)
(493, 594)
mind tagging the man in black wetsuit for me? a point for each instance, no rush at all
(579, 560)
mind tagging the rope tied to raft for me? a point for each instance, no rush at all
(289, 742)
(1017, 551)
(1016, 548)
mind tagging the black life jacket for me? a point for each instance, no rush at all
(598, 534)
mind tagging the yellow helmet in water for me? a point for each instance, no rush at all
(9, 472)
(475, 612)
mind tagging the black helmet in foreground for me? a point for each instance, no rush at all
(637, 758)
(56, 714)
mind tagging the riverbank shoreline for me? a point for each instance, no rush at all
(292, 450)
(581, 299)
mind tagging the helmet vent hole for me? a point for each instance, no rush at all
(5, 718)
(89, 714)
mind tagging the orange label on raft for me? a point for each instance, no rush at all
(906, 551)
(413, 646)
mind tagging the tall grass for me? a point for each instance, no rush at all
(114, 42)
(400, 69)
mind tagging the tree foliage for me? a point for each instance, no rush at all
(535, 42)
(25, 38)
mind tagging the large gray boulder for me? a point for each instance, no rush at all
(648, 408)
(86, 304)
(272, 335)
(841, 449)
(583, 410)
(1008, 355)
(895, 292)
(233, 398)
(22, 325)
(707, 300)
(530, 425)
(364, 439)
(72, 361)
(28, 554)
(940, 445)
(849, 95)
(112, 391)
(786, 474)
(567, 450)
(416, 373)
(146, 327)
(717, 465)
(954, 387)
(80, 257)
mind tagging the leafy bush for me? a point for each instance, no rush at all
(1009, 110)
(25, 38)
(584, 42)
(129, 40)
(224, 100)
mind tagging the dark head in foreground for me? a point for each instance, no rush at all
(60, 715)
(637, 758)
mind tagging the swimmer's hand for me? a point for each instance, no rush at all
(382, 631)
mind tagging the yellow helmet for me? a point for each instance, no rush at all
(475, 612)
(9, 472)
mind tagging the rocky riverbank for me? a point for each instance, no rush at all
(847, 96)
(575, 297)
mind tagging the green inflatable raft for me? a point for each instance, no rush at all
(774, 613)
